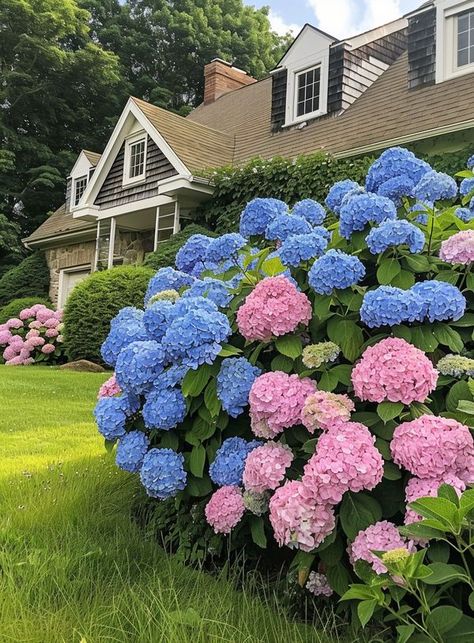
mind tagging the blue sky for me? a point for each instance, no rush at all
(340, 18)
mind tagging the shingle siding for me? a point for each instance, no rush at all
(279, 80)
(68, 194)
(113, 193)
(422, 49)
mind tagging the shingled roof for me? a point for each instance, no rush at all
(58, 223)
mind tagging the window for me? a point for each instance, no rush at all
(308, 91)
(80, 185)
(135, 160)
(465, 38)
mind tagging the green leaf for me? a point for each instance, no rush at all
(463, 632)
(437, 508)
(197, 459)
(328, 381)
(346, 334)
(212, 402)
(466, 503)
(471, 601)
(343, 373)
(443, 573)
(195, 382)
(391, 471)
(389, 410)
(443, 618)
(388, 270)
(420, 531)
(358, 511)
(200, 431)
(402, 332)
(457, 392)
(358, 591)
(272, 267)
(448, 492)
(282, 363)
(228, 351)
(169, 440)
(289, 345)
(199, 487)
(257, 530)
(332, 554)
(418, 263)
(404, 633)
(109, 445)
(465, 406)
(439, 552)
(322, 305)
(366, 417)
(365, 611)
(448, 337)
(338, 578)
(423, 338)
(403, 280)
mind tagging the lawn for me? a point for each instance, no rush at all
(73, 566)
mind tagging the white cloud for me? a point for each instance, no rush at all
(280, 26)
(344, 18)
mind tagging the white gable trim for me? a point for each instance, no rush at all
(324, 37)
(81, 166)
(131, 114)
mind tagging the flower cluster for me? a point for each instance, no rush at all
(317, 584)
(228, 466)
(131, 450)
(456, 366)
(298, 248)
(138, 365)
(396, 163)
(444, 302)
(286, 225)
(335, 270)
(382, 536)
(265, 467)
(467, 186)
(458, 249)
(225, 247)
(389, 306)
(125, 328)
(275, 307)
(111, 415)
(191, 257)
(167, 279)
(435, 186)
(315, 355)
(310, 210)
(337, 193)
(465, 214)
(361, 209)
(217, 291)
(323, 410)
(33, 336)
(225, 509)
(234, 382)
(258, 213)
(395, 233)
(109, 388)
(162, 473)
(395, 371)
(164, 407)
(276, 402)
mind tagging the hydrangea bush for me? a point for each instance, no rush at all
(308, 376)
(34, 336)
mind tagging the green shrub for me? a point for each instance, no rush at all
(165, 254)
(14, 308)
(29, 279)
(95, 302)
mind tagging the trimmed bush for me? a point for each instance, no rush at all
(166, 252)
(14, 308)
(94, 302)
(29, 279)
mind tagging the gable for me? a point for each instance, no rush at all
(308, 44)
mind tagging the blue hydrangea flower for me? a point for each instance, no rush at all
(131, 450)
(465, 214)
(389, 306)
(310, 210)
(170, 377)
(164, 408)
(302, 247)
(167, 279)
(196, 338)
(162, 473)
(396, 188)
(187, 304)
(338, 192)
(157, 318)
(422, 217)
(127, 327)
(363, 209)
(335, 269)
(234, 382)
(285, 225)
(435, 186)
(217, 291)
(225, 247)
(470, 162)
(110, 415)
(395, 162)
(444, 301)
(192, 254)
(395, 233)
(323, 232)
(466, 187)
(229, 463)
(138, 365)
(257, 215)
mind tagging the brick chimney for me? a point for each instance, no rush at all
(221, 78)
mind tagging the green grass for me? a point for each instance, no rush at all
(73, 566)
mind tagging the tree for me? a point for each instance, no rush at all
(60, 92)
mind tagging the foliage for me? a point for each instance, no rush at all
(431, 592)
(29, 279)
(165, 254)
(14, 308)
(11, 250)
(94, 302)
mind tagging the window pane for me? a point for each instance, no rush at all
(165, 234)
(465, 38)
(166, 221)
(137, 159)
(463, 57)
(308, 87)
(80, 185)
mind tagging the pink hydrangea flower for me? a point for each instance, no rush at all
(25, 352)
(458, 249)
(52, 322)
(16, 341)
(109, 388)
(418, 488)
(346, 459)
(26, 313)
(276, 402)
(36, 341)
(382, 536)
(47, 349)
(394, 370)
(14, 361)
(322, 410)
(51, 332)
(5, 336)
(35, 324)
(32, 333)
(58, 314)
(43, 314)
(9, 353)
(297, 521)
(225, 509)
(265, 467)
(14, 323)
(431, 447)
(37, 307)
(275, 307)
(318, 585)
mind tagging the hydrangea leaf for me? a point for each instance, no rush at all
(443, 619)
(387, 271)
(389, 410)
(358, 511)
(289, 345)
(195, 381)
(448, 337)
(346, 334)
(257, 530)
(197, 460)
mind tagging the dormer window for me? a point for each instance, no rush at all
(308, 84)
(80, 185)
(454, 38)
(135, 159)
(465, 39)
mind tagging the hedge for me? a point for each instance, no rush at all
(94, 303)
(166, 252)
(29, 279)
(14, 308)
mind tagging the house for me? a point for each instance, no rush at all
(407, 82)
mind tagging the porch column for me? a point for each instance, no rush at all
(110, 258)
(176, 217)
(157, 222)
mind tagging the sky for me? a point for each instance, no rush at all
(339, 18)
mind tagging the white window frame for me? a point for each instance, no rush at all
(295, 106)
(447, 13)
(75, 181)
(291, 117)
(129, 142)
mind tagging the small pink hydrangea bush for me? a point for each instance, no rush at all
(285, 379)
(34, 336)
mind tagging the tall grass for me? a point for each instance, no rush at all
(73, 566)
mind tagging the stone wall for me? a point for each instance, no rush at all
(77, 254)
